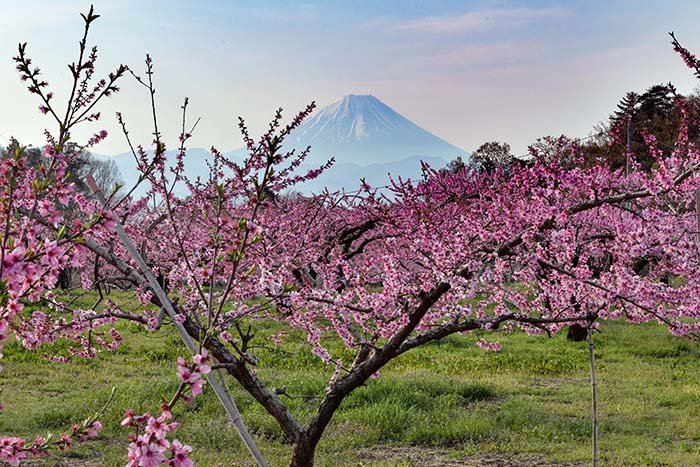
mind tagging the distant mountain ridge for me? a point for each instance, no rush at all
(367, 138)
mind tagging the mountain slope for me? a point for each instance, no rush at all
(367, 138)
(339, 176)
(361, 129)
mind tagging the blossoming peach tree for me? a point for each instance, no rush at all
(548, 244)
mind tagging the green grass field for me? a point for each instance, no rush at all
(448, 403)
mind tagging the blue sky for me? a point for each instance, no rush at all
(470, 71)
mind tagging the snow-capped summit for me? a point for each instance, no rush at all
(361, 129)
(354, 117)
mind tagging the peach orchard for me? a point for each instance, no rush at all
(547, 243)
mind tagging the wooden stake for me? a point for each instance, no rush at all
(594, 394)
(224, 397)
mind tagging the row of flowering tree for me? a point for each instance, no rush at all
(548, 244)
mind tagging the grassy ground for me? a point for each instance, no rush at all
(448, 403)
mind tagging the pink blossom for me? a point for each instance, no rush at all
(181, 455)
(490, 346)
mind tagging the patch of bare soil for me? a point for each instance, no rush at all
(429, 457)
(62, 462)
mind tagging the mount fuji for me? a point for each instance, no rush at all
(367, 139)
(361, 129)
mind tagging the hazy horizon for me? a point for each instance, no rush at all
(469, 72)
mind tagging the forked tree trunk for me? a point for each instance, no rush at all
(304, 441)
(303, 453)
(304, 446)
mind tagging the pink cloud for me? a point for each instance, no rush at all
(476, 20)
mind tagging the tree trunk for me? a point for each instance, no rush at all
(303, 453)
(576, 333)
(65, 278)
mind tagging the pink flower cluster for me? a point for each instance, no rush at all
(490, 346)
(151, 448)
(13, 450)
(192, 374)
